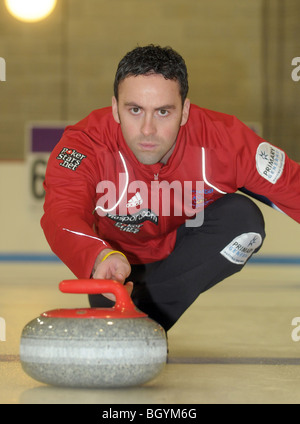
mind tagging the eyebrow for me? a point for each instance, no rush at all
(132, 104)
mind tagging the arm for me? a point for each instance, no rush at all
(248, 162)
(272, 175)
(68, 218)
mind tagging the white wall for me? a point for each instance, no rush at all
(20, 227)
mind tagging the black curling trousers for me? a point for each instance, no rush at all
(233, 229)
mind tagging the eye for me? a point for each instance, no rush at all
(163, 112)
(135, 110)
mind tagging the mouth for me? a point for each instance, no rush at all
(147, 146)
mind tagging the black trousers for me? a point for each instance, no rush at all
(232, 231)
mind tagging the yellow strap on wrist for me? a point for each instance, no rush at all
(111, 253)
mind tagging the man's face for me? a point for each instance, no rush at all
(150, 112)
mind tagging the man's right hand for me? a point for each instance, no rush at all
(114, 267)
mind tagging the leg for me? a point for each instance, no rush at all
(202, 257)
(233, 230)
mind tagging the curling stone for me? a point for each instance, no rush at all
(95, 347)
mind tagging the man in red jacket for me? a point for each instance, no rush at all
(144, 192)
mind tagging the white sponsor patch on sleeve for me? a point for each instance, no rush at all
(269, 162)
(242, 247)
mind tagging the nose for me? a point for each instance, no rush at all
(148, 126)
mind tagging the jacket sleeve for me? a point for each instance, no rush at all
(70, 185)
(256, 165)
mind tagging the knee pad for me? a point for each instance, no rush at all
(245, 227)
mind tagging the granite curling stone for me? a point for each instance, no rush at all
(94, 347)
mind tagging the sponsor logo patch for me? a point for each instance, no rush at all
(133, 223)
(269, 162)
(71, 159)
(242, 247)
(135, 201)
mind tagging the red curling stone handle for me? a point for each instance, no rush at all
(94, 286)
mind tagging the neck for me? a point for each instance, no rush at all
(167, 156)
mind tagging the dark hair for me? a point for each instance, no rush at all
(153, 60)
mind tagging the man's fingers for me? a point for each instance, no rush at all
(129, 287)
(119, 276)
(109, 296)
(114, 268)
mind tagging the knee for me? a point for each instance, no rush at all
(242, 214)
(250, 215)
(245, 228)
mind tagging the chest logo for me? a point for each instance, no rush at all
(135, 201)
(133, 223)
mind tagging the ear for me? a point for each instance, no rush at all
(115, 110)
(185, 112)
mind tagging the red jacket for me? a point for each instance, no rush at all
(99, 196)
